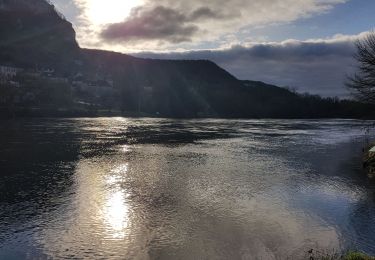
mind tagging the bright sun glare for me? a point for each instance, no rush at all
(109, 11)
(116, 209)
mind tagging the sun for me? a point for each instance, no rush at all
(109, 11)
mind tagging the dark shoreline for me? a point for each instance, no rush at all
(6, 114)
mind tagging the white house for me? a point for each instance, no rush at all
(8, 72)
(372, 151)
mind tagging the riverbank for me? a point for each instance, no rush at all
(43, 112)
(93, 112)
(348, 256)
(369, 160)
(356, 256)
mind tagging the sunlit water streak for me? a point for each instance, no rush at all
(117, 188)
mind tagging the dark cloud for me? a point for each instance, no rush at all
(317, 67)
(158, 23)
(206, 13)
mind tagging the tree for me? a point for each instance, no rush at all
(362, 83)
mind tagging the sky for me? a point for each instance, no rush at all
(306, 45)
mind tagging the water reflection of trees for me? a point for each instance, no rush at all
(37, 165)
(361, 223)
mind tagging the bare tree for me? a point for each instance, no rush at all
(362, 83)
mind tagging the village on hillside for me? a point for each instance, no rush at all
(43, 86)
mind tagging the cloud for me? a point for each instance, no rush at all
(157, 23)
(317, 66)
(171, 22)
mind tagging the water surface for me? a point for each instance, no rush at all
(117, 188)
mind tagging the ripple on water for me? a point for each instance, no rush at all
(182, 189)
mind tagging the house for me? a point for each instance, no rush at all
(8, 72)
(371, 152)
(78, 77)
(47, 72)
(14, 84)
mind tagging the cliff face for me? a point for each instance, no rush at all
(31, 6)
(33, 33)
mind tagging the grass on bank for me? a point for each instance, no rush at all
(352, 255)
(357, 256)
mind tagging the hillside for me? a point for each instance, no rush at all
(171, 88)
(33, 33)
(36, 38)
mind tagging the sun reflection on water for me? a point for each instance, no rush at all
(116, 209)
(116, 215)
(125, 149)
(122, 169)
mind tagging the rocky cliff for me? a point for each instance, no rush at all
(32, 33)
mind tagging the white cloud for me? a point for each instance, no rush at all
(317, 66)
(187, 23)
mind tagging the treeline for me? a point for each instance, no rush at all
(239, 101)
(202, 89)
(177, 96)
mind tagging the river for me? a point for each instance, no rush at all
(120, 188)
